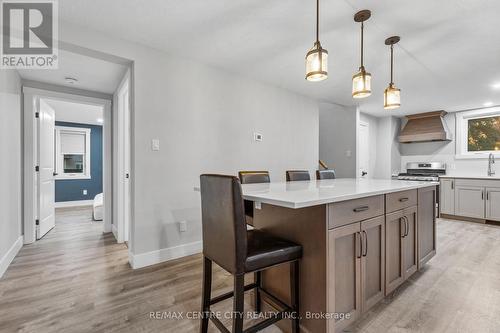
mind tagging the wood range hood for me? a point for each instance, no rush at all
(425, 127)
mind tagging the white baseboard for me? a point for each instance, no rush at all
(10, 255)
(159, 256)
(77, 203)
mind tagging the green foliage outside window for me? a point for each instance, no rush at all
(484, 134)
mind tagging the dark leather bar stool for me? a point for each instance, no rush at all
(252, 177)
(227, 242)
(325, 174)
(295, 175)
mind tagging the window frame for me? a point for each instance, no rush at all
(462, 130)
(59, 157)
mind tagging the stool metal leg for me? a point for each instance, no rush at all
(294, 294)
(258, 282)
(239, 297)
(206, 294)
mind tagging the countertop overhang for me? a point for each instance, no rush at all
(302, 194)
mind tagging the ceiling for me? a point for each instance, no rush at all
(448, 57)
(76, 112)
(92, 74)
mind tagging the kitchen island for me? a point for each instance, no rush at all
(361, 239)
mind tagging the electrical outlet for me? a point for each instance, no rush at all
(84, 192)
(182, 226)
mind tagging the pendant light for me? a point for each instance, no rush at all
(361, 81)
(392, 95)
(317, 57)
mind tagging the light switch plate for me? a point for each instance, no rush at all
(84, 192)
(155, 144)
(258, 205)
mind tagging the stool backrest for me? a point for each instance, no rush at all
(253, 177)
(294, 175)
(223, 222)
(325, 174)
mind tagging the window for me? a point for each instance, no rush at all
(72, 153)
(478, 133)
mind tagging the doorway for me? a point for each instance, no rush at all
(364, 150)
(68, 145)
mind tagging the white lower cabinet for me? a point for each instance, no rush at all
(493, 203)
(447, 196)
(469, 201)
(474, 198)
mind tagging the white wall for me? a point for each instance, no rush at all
(442, 152)
(204, 119)
(10, 166)
(388, 160)
(337, 136)
(373, 128)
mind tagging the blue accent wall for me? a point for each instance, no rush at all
(72, 189)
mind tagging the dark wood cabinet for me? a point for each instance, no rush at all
(426, 224)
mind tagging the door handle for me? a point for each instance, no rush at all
(363, 173)
(127, 176)
(482, 195)
(360, 209)
(360, 248)
(54, 173)
(366, 243)
(407, 226)
(487, 195)
(452, 184)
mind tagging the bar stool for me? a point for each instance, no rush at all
(252, 177)
(227, 242)
(295, 175)
(325, 174)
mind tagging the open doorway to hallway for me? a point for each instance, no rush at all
(72, 167)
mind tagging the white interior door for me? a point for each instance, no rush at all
(46, 183)
(364, 151)
(123, 158)
(126, 163)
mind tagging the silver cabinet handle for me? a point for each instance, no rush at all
(403, 199)
(366, 243)
(360, 209)
(407, 226)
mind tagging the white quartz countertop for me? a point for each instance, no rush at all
(318, 192)
(466, 176)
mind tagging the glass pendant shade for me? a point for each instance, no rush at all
(392, 97)
(316, 63)
(361, 84)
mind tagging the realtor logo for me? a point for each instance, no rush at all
(29, 34)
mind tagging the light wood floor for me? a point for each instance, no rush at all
(78, 280)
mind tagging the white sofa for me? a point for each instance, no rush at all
(98, 208)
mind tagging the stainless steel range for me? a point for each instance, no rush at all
(423, 171)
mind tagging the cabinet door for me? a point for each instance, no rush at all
(344, 274)
(493, 203)
(410, 255)
(372, 261)
(447, 196)
(394, 272)
(426, 224)
(469, 201)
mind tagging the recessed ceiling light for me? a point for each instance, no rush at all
(496, 86)
(100, 120)
(70, 80)
(487, 104)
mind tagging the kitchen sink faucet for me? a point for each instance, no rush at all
(491, 160)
